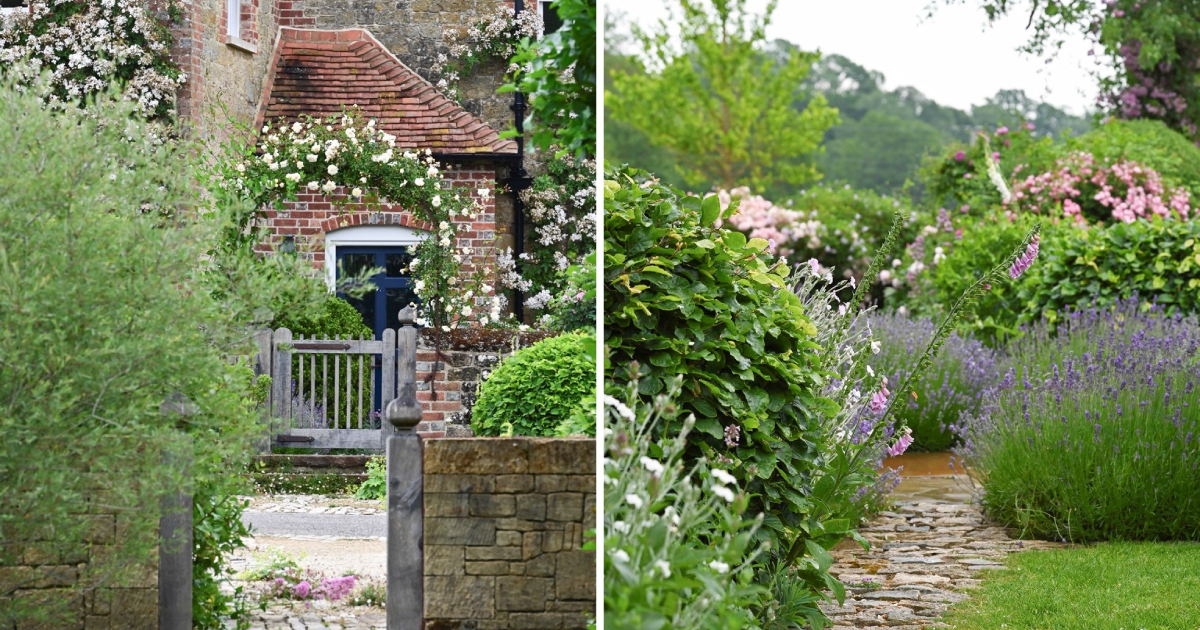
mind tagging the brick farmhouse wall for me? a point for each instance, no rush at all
(504, 523)
(464, 364)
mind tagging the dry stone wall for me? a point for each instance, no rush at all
(504, 523)
(75, 585)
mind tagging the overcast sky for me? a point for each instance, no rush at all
(955, 57)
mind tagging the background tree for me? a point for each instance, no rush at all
(1154, 48)
(720, 104)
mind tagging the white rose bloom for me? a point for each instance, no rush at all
(312, 157)
(437, 201)
(420, 286)
(357, 192)
(295, 177)
(329, 186)
(484, 193)
(266, 128)
(466, 311)
(297, 127)
(420, 181)
(241, 168)
(313, 185)
(332, 170)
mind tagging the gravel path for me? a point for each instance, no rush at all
(926, 554)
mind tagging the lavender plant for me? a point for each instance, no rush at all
(953, 384)
(1092, 435)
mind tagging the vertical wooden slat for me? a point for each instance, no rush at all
(337, 390)
(325, 388)
(371, 404)
(387, 378)
(360, 387)
(312, 389)
(262, 365)
(300, 385)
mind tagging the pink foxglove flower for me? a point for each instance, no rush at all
(1021, 264)
(902, 444)
(879, 398)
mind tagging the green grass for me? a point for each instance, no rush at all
(1111, 586)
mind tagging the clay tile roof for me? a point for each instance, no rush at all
(321, 72)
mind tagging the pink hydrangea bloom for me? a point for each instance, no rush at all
(760, 218)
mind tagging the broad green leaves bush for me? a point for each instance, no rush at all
(536, 389)
(1157, 261)
(684, 298)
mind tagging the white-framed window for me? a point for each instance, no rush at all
(12, 6)
(233, 18)
(366, 236)
(549, 15)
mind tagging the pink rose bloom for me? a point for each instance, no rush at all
(1001, 131)
(960, 156)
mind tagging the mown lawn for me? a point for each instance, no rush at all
(1111, 586)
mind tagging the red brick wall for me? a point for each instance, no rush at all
(311, 216)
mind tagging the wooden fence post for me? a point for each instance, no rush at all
(405, 493)
(281, 386)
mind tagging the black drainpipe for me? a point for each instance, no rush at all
(519, 180)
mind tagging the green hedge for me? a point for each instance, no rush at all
(537, 389)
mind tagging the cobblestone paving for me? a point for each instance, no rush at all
(299, 618)
(926, 554)
(313, 504)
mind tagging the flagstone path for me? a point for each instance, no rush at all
(926, 553)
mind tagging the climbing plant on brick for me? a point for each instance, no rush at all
(331, 155)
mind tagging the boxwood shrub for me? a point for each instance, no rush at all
(684, 298)
(537, 388)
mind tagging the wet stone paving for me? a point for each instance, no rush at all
(926, 554)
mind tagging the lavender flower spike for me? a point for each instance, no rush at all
(1020, 265)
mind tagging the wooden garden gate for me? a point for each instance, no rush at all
(330, 393)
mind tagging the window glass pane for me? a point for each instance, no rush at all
(397, 299)
(550, 18)
(354, 264)
(397, 264)
(366, 306)
(12, 4)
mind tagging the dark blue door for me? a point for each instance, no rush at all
(394, 286)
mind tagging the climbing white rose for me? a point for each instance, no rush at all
(436, 201)
(332, 170)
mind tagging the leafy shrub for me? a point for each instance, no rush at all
(839, 226)
(683, 297)
(1157, 261)
(958, 178)
(953, 384)
(854, 224)
(1091, 435)
(375, 485)
(1149, 142)
(535, 390)
(335, 317)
